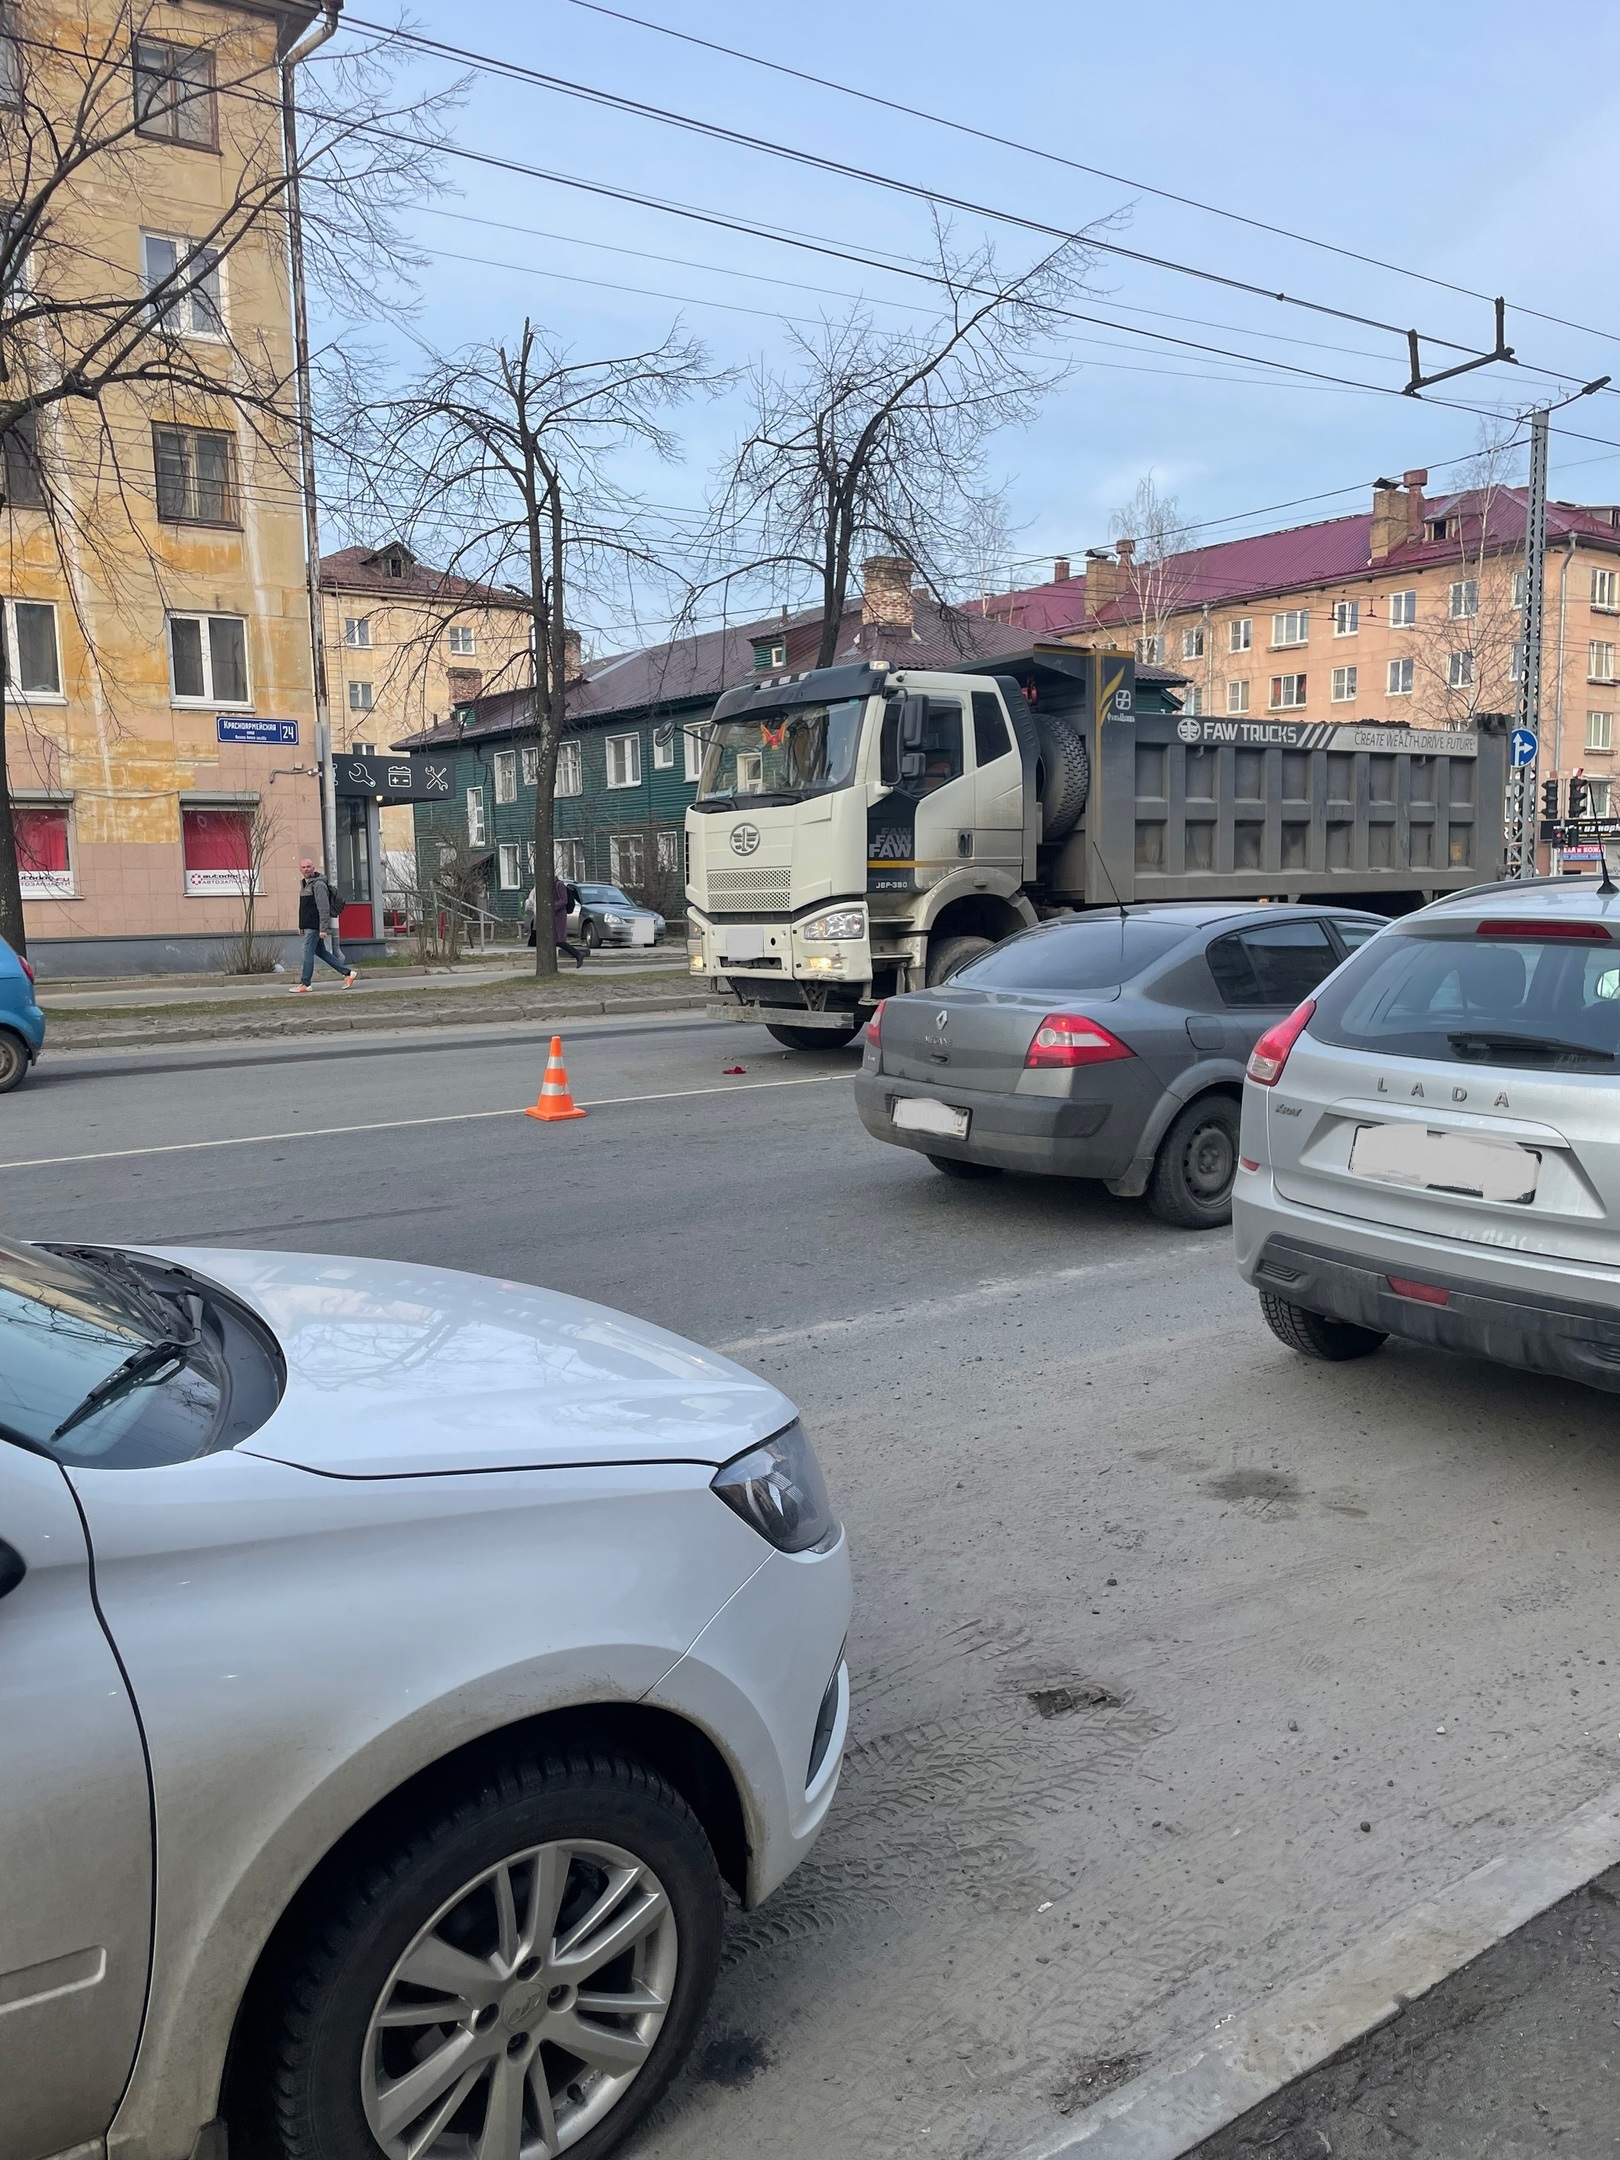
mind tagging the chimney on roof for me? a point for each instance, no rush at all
(886, 593)
(1060, 570)
(465, 684)
(1103, 580)
(1397, 514)
(573, 657)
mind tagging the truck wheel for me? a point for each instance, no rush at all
(1064, 773)
(1313, 1335)
(795, 1038)
(954, 1166)
(1191, 1186)
(947, 954)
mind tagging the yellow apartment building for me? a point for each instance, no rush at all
(160, 690)
(406, 645)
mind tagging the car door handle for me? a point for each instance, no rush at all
(13, 1567)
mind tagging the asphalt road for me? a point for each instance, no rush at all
(1152, 1616)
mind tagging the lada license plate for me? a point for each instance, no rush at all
(1448, 1162)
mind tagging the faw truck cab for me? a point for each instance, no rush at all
(866, 828)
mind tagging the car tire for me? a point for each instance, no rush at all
(946, 955)
(593, 936)
(433, 1897)
(1313, 1335)
(954, 1166)
(799, 1038)
(13, 1061)
(1191, 1185)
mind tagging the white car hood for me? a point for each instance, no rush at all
(396, 1370)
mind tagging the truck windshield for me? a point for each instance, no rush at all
(784, 756)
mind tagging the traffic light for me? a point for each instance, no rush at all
(1579, 789)
(1549, 798)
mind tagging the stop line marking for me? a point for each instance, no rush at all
(451, 1117)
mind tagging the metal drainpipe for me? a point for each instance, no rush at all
(317, 36)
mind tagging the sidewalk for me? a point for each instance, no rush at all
(133, 1015)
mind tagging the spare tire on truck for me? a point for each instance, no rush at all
(1063, 774)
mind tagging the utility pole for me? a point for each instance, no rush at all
(1519, 820)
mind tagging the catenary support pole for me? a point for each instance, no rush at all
(1523, 780)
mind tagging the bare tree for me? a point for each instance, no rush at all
(95, 350)
(247, 953)
(498, 461)
(1151, 540)
(1467, 651)
(875, 440)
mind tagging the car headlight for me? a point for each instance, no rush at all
(618, 921)
(840, 927)
(778, 1489)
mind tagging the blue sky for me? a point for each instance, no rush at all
(1464, 141)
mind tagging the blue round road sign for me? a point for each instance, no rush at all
(1522, 746)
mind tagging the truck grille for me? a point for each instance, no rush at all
(753, 888)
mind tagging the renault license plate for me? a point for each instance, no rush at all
(920, 1113)
(1467, 1164)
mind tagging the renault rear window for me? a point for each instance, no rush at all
(1543, 1003)
(1097, 954)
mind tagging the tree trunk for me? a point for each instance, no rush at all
(546, 616)
(11, 906)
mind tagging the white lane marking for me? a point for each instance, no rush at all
(999, 1290)
(452, 1117)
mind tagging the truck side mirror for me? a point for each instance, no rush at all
(913, 764)
(913, 723)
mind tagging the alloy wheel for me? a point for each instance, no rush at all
(523, 2011)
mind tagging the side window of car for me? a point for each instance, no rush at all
(990, 737)
(941, 747)
(1355, 933)
(1275, 964)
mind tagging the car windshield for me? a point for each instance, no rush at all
(1548, 1003)
(1097, 954)
(784, 755)
(111, 1360)
(604, 896)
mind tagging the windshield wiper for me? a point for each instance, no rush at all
(1488, 1040)
(141, 1365)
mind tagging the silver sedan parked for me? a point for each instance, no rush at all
(1105, 1046)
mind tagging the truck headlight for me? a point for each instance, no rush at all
(841, 927)
(777, 1488)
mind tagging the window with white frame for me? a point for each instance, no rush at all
(1346, 618)
(506, 776)
(44, 850)
(1344, 685)
(1600, 661)
(190, 306)
(1600, 731)
(1150, 650)
(1464, 598)
(33, 657)
(1606, 590)
(1598, 793)
(208, 660)
(359, 697)
(1192, 644)
(669, 854)
(475, 817)
(1292, 627)
(1240, 635)
(1193, 701)
(1237, 695)
(664, 746)
(528, 856)
(1287, 693)
(1521, 589)
(531, 763)
(627, 860)
(357, 630)
(570, 770)
(217, 852)
(1399, 683)
(462, 638)
(1403, 609)
(693, 741)
(623, 762)
(570, 859)
(511, 858)
(1460, 670)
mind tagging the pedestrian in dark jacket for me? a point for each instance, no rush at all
(315, 919)
(559, 922)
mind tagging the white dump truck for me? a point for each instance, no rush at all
(864, 829)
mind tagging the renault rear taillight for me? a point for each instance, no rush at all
(1073, 1039)
(874, 1027)
(1270, 1053)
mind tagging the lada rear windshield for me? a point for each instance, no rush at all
(784, 756)
(1546, 1001)
(1097, 954)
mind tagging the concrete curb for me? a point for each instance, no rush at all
(157, 1034)
(1170, 2111)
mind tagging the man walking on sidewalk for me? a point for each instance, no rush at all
(315, 919)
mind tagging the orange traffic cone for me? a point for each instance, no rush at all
(555, 1101)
